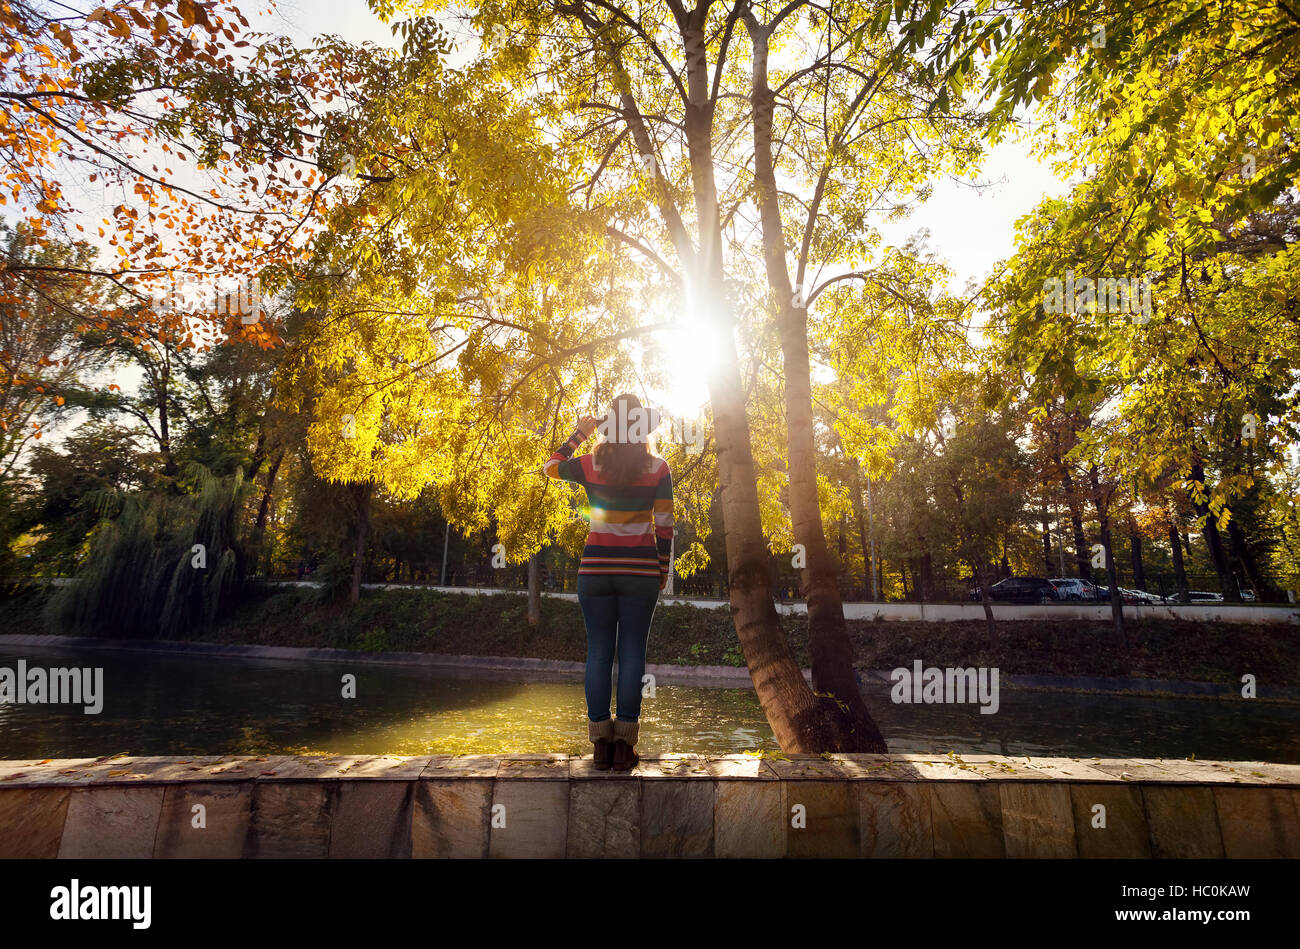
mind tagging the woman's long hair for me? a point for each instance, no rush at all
(621, 459)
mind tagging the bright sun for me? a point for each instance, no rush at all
(691, 353)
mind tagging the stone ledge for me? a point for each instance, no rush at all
(552, 805)
(129, 770)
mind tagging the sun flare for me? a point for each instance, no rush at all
(691, 352)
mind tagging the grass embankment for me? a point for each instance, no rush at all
(459, 624)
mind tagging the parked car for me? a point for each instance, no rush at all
(1200, 596)
(1140, 597)
(1020, 590)
(1075, 588)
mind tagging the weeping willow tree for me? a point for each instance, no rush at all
(157, 564)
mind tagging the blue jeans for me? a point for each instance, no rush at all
(617, 610)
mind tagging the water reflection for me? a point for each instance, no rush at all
(172, 705)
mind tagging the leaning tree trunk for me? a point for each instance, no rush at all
(800, 720)
(829, 645)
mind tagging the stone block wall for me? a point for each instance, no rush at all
(679, 806)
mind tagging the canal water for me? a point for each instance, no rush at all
(186, 705)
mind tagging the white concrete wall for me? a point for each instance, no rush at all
(948, 612)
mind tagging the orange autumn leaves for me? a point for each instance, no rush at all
(201, 135)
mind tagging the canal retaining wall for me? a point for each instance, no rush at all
(733, 806)
(1216, 612)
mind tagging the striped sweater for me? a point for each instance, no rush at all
(631, 525)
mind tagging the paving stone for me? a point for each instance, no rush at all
(31, 822)
(1071, 770)
(227, 809)
(584, 768)
(383, 767)
(1037, 820)
(1266, 772)
(282, 769)
(171, 769)
(289, 819)
(372, 819)
(46, 772)
(740, 768)
(1183, 822)
(877, 768)
(748, 819)
(1204, 772)
(894, 818)
(1260, 773)
(831, 820)
(604, 818)
(463, 766)
(1258, 822)
(529, 818)
(957, 768)
(804, 768)
(451, 818)
(534, 767)
(145, 770)
(111, 823)
(1125, 835)
(966, 818)
(1141, 770)
(676, 818)
(241, 768)
(673, 766)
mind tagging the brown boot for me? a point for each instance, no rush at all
(602, 740)
(625, 735)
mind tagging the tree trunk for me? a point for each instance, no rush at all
(976, 564)
(990, 626)
(1180, 574)
(534, 589)
(1082, 560)
(1237, 537)
(867, 561)
(1135, 554)
(264, 507)
(1047, 539)
(1218, 556)
(1102, 505)
(829, 646)
(363, 492)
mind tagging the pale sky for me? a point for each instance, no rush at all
(971, 229)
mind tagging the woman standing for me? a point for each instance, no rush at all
(624, 565)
